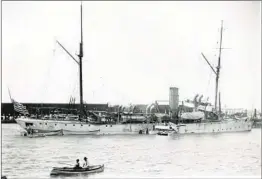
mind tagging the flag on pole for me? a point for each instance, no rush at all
(19, 107)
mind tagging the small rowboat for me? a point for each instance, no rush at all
(54, 133)
(35, 135)
(70, 170)
(164, 133)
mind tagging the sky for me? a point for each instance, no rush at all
(133, 51)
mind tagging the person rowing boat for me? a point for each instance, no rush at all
(77, 166)
(86, 164)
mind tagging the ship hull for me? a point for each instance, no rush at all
(214, 127)
(82, 128)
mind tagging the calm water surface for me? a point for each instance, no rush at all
(228, 154)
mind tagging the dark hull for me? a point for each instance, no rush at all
(73, 171)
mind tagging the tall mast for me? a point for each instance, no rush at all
(218, 66)
(219, 104)
(80, 55)
(80, 67)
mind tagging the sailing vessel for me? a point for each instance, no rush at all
(202, 121)
(83, 125)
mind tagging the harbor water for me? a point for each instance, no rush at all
(227, 154)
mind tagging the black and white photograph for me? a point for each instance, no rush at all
(130, 89)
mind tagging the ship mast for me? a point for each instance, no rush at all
(80, 67)
(80, 56)
(219, 104)
(217, 71)
(218, 66)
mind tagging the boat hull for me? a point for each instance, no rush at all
(35, 135)
(42, 134)
(162, 133)
(214, 127)
(82, 128)
(72, 171)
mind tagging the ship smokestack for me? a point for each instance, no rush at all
(173, 99)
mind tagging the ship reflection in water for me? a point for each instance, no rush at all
(227, 154)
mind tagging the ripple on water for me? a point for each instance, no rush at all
(133, 156)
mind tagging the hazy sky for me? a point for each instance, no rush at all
(133, 51)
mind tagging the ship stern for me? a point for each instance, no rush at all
(23, 122)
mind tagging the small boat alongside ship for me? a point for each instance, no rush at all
(165, 130)
(76, 171)
(36, 134)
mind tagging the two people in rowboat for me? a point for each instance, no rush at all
(85, 164)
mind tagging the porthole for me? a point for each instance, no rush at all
(65, 124)
(45, 123)
(110, 125)
(40, 123)
(89, 125)
(55, 124)
(106, 125)
(73, 124)
(81, 124)
(213, 130)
